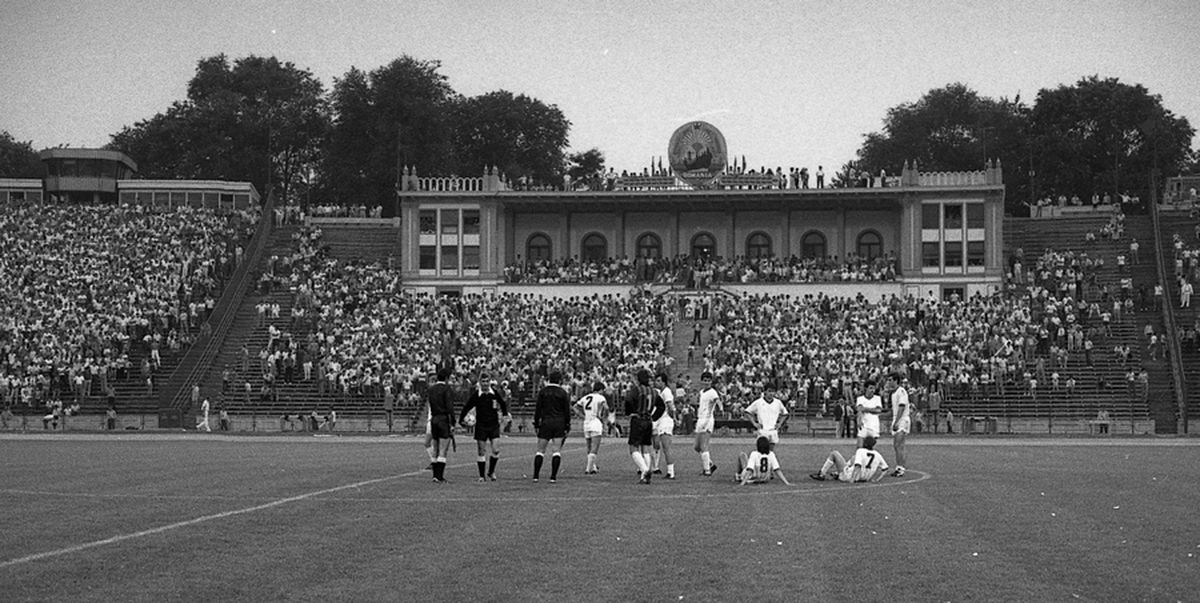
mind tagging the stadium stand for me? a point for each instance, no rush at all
(100, 301)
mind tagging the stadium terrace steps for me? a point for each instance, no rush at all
(1179, 222)
(1033, 237)
(354, 242)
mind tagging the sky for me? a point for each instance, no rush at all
(794, 83)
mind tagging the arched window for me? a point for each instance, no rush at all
(812, 245)
(870, 244)
(594, 247)
(649, 246)
(704, 246)
(758, 245)
(538, 248)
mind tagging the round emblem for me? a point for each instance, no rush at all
(697, 153)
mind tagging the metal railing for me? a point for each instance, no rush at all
(196, 361)
(1168, 311)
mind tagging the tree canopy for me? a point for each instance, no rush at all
(271, 123)
(1102, 135)
(256, 119)
(17, 158)
(1095, 136)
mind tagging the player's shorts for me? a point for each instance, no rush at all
(868, 431)
(772, 435)
(439, 428)
(552, 429)
(904, 426)
(704, 425)
(483, 434)
(593, 428)
(640, 431)
(664, 426)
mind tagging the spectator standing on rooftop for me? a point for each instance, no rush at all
(820, 176)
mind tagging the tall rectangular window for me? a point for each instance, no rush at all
(931, 255)
(470, 219)
(449, 258)
(449, 222)
(975, 253)
(470, 257)
(929, 216)
(974, 215)
(954, 216)
(427, 221)
(428, 258)
(954, 254)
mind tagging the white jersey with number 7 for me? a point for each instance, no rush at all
(865, 465)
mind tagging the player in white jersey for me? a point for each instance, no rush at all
(760, 466)
(866, 466)
(664, 427)
(204, 407)
(593, 408)
(901, 420)
(710, 403)
(869, 407)
(765, 416)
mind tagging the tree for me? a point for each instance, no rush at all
(953, 129)
(18, 159)
(521, 135)
(398, 115)
(1103, 136)
(257, 119)
(585, 165)
(347, 151)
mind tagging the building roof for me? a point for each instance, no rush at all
(102, 154)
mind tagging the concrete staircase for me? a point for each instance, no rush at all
(1034, 236)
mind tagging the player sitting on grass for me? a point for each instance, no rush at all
(867, 465)
(761, 465)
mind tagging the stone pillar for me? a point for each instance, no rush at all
(731, 248)
(840, 235)
(619, 245)
(909, 247)
(785, 238)
(674, 246)
(564, 230)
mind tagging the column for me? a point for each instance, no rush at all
(619, 243)
(785, 238)
(840, 235)
(731, 247)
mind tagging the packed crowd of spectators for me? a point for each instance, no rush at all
(86, 290)
(704, 272)
(355, 333)
(819, 350)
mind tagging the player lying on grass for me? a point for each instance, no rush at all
(867, 465)
(761, 465)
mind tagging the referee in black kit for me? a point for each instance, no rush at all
(441, 418)
(552, 421)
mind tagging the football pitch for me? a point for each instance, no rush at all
(156, 517)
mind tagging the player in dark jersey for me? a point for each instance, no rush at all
(552, 421)
(644, 406)
(441, 418)
(489, 409)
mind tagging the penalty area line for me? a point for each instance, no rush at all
(206, 518)
(198, 520)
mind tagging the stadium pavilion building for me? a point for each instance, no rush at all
(945, 229)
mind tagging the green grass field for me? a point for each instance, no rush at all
(188, 517)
